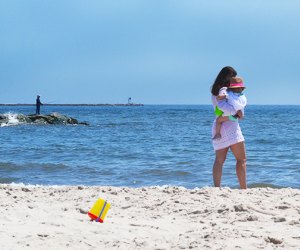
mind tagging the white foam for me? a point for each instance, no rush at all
(12, 119)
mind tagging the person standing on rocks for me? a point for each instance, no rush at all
(38, 105)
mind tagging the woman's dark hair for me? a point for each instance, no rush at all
(223, 79)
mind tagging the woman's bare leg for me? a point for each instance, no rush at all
(239, 152)
(218, 166)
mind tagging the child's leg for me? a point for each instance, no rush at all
(219, 122)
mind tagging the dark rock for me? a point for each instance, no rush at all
(274, 240)
(82, 211)
(53, 118)
(252, 218)
(280, 219)
(3, 117)
(23, 118)
(83, 123)
(25, 190)
(239, 208)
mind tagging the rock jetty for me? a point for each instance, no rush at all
(53, 118)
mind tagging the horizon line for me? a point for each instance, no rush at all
(125, 104)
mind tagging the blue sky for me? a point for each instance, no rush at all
(155, 51)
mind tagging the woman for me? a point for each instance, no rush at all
(231, 134)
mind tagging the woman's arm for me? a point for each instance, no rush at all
(221, 97)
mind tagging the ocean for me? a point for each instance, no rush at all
(146, 146)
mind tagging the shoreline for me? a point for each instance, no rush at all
(158, 217)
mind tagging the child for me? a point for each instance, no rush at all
(234, 96)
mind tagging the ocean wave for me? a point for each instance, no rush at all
(164, 172)
(7, 167)
(9, 180)
(11, 119)
(264, 185)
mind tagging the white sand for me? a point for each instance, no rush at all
(149, 218)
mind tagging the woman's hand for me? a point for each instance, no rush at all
(221, 97)
(240, 114)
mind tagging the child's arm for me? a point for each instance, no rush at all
(223, 92)
(222, 95)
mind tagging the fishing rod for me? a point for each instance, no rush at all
(45, 103)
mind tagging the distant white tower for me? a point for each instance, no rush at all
(129, 100)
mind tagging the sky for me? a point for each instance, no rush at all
(154, 51)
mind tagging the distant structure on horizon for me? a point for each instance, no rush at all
(129, 100)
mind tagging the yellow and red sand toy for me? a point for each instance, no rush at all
(99, 210)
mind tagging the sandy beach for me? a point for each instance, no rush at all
(55, 217)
